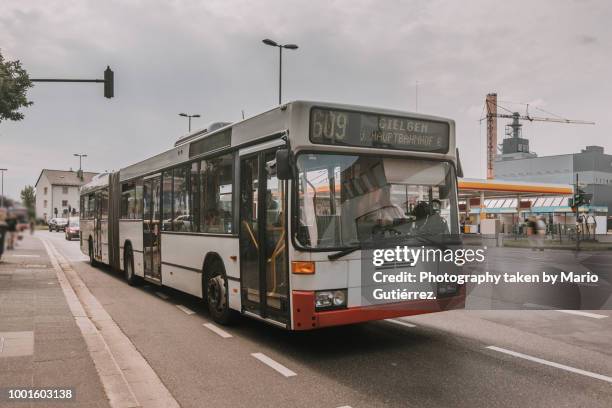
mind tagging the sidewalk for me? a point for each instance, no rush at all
(40, 343)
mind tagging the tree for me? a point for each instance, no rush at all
(8, 202)
(28, 199)
(14, 83)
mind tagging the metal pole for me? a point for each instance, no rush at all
(189, 117)
(416, 97)
(65, 80)
(280, 72)
(2, 194)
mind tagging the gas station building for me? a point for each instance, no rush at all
(498, 206)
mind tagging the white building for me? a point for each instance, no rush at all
(58, 190)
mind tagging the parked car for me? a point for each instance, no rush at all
(58, 224)
(51, 224)
(72, 230)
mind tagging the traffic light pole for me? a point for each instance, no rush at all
(577, 203)
(108, 81)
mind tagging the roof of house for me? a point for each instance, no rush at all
(66, 177)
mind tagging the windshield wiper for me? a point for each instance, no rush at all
(344, 252)
(428, 239)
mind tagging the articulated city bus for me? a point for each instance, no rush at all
(268, 216)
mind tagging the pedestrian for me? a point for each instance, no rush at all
(3, 230)
(11, 221)
(32, 226)
(540, 231)
(531, 232)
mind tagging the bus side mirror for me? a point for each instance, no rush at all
(459, 167)
(284, 164)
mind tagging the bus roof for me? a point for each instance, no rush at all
(272, 122)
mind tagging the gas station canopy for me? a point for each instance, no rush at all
(474, 188)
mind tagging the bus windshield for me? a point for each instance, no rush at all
(349, 200)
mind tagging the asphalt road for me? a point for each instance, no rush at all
(451, 359)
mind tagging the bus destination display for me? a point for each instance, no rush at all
(345, 128)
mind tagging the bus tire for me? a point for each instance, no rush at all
(128, 266)
(92, 260)
(216, 293)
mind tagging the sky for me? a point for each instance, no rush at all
(206, 57)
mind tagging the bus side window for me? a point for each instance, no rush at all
(216, 195)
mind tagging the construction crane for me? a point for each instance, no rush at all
(515, 141)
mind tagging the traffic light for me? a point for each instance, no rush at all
(109, 83)
(579, 198)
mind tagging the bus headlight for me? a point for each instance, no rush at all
(330, 299)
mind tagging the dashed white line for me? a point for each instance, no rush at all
(26, 256)
(185, 309)
(273, 364)
(217, 330)
(581, 313)
(400, 323)
(162, 295)
(552, 364)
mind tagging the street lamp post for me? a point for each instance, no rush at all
(272, 43)
(80, 156)
(2, 192)
(189, 116)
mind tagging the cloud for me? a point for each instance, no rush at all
(587, 39)
(207, 58)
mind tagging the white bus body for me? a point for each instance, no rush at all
(191, 217)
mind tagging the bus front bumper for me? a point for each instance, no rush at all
(305, 317)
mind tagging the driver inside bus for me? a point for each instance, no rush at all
(428, 218)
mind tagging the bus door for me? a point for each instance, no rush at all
(151, 193)
(97, 247)
(263, 238)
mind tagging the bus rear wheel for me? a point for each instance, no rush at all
(92, 259)
(217, 294)
(131, 278)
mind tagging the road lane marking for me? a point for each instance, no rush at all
(105, 340)
(273, 364)
(25, 256)
(400, 323)
(581, 313)
(185, 309)
(217, 330)
(118, 392)
(552, 364)
(574, 312)
(162, 295)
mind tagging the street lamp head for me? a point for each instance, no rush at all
(291, 46)
(183, 114)
(268, 41)
(195, 116)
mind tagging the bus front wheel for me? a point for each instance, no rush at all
(217, 294)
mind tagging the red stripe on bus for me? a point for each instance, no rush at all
(306, 318)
